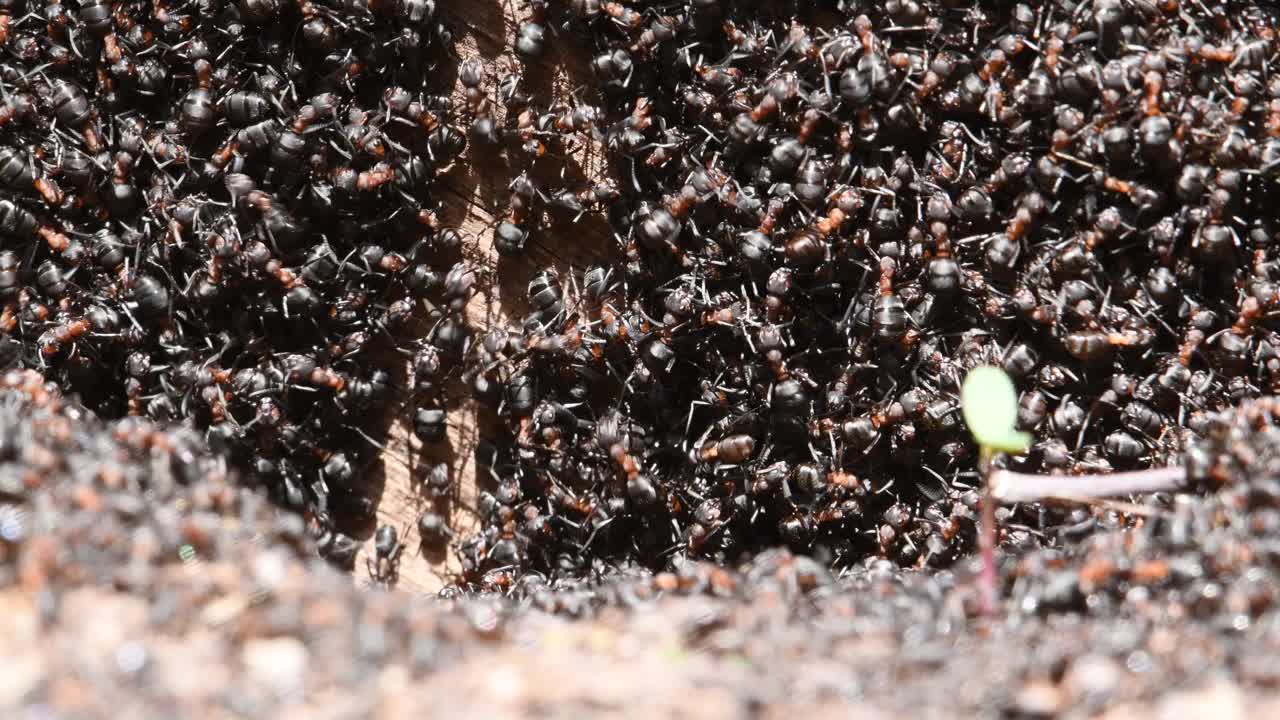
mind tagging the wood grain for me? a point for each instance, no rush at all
(474, 198)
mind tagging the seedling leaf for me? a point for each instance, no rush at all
(990, 406)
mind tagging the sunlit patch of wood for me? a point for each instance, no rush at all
(474, 198)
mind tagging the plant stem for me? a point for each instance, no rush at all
(1012, 487)
(987, 536)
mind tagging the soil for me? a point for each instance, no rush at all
(1128, 626)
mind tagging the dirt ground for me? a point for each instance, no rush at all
(475, 197)
(262, 634)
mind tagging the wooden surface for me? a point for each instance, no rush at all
(475, 198)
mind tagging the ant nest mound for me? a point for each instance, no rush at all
(549, 289)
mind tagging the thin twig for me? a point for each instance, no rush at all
(1013, 487)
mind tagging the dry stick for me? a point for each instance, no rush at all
(1012, 487)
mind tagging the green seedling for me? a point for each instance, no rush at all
(990, 406)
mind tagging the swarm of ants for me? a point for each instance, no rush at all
(221, 213)
(825, 214)
(224, 214)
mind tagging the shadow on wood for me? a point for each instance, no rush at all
(474, 199)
